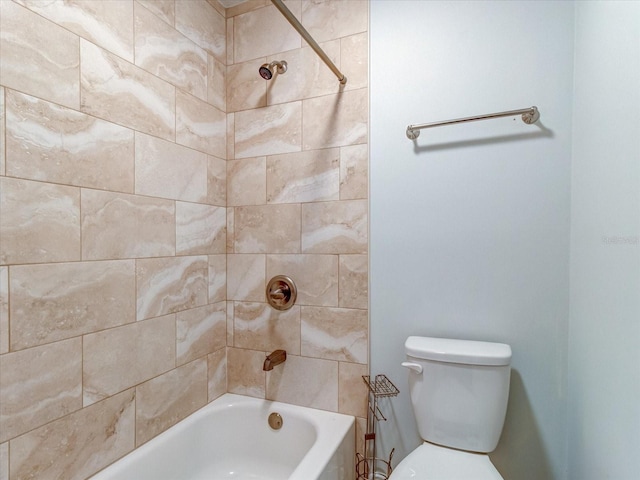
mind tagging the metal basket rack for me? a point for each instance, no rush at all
(368, 466)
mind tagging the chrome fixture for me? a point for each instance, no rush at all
(281, 292)
(274, 358)
(266, 70)
(279, 4)
(275, 421)
(529, 116)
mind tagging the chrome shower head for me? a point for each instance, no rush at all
(266, 70)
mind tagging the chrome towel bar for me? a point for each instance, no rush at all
(529, 115)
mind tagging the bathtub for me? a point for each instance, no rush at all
(230, 439)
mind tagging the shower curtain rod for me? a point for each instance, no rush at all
(529, 115)
(312, 43)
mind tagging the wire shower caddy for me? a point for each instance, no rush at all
(368, 465)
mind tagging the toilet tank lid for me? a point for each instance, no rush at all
(468, 352)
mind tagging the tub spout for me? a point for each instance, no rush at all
(273, 359)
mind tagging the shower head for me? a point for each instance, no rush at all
(266, 70)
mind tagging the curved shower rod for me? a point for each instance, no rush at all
(312, 43)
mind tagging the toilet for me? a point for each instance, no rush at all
(459, 391)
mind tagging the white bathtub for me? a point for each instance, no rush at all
(230, 439)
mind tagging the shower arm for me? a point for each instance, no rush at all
(309, 39)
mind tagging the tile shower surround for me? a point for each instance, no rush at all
(150, 183)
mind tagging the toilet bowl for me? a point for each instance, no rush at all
(459, 391)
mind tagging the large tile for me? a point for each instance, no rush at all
(4, 461)
(2, 130)
(354, 281)
(163, 9)
(217, 373)
(173, 284)
(169, 398)
(246, 181)
(63, 300)
(165, 52)
(231, 136)
(39, 385)
(55, 144)
(246, 89)
(335, 227)
(230, 313)
(330, 19)
(217, 278)
(200, 22)
(39, 222)
(164, 169)
(354, 55)
(267, 229)
(258, 326)
(4, 310)
(335, 333)
(354, 172)
(244, 372)
(107, 23)
(38, 57)
(200, 125)
(217, 181)
(200, 331)
(120, 92)
(292, 382)
(217, 83)
(117, 225)
(122, 357)
(315, 276)
(78, 445)
(200, 229)
(246, 277)
(310, 176)
(268, 131)
(245, 7)
(335, 120)
(353, 392)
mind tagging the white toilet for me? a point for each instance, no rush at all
(459, 391)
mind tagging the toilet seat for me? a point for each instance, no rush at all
(433, 462)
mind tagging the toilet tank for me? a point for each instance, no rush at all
(459, 391)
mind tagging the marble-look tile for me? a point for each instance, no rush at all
(335, 333)
(217, 181)
(63, 300)
(172, 284)
(200, 331)
(246, 89)
(230, 314)
(292, 382)
(258, 326)
(354, 281)
(245, 7)
(117, 225)
(4, 461)
(165, 52)
(217, 278)
(354, 172)
(330, 19)
(216, 83)
(39, 222)
(361, 429)
(200, 125)
(107, 23)
(38, 57)
(335, 120)
(2, 130)
(200, 22)
(4, 310)
(120, 92)
(315, 276)
(39, 385)
(310, 176)
(78, 445)
(230, 42)
(55, 144)
(231, 136)
(246, 181)
(217, 373)
(231, 230)
(253, 40)
(267, 229)
(353, 392)
(246, 277)
(169, 398)
(122, 357)
(218, 7)
(269, 131)
(244, 372)
(163, 9)
(335, 227)
(159, 174)
(354, 55)
(200, 229)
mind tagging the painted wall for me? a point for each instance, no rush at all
(470, 224)
(604, 338)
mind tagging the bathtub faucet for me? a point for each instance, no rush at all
(274, 358)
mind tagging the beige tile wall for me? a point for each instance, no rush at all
(150, 184)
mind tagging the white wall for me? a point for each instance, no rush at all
(470, 225)
(604, 339)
